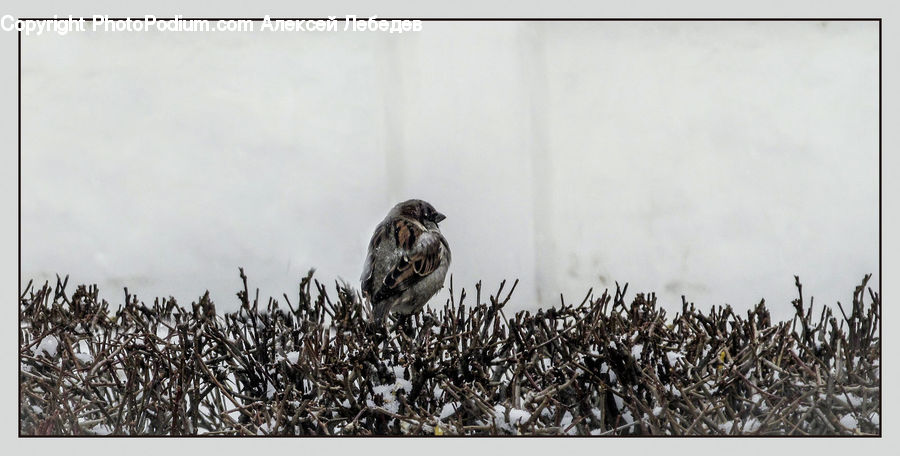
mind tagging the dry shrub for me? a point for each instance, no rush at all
(314, 365)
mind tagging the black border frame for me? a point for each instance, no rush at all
(481, 19)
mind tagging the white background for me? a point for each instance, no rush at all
(521, 8)
(708, 159)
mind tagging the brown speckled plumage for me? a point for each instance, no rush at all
(407, 259)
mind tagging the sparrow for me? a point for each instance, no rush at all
(407, 260)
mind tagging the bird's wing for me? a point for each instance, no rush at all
(421, 255)
(381, 234)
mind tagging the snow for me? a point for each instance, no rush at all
(850, 398)
(758, 400)
(383, 390)
(438, 392)
(85, 358)
(401, 382)
(674, 357)
(875, 419)
(604, 368)
(48, 345)
(390, 404)
(619, 402)
(751, 425)
(516, 417)
(849, 421)
(292, 357)
(673, 391)
(448, 409)
(566, 421)
(853, 399)
(388, 392)
(101, 429)
(545, 363)
(636, 351)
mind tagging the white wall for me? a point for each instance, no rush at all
(714, 160)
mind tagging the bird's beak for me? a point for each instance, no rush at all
(438, 217)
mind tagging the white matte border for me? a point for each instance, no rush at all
(885, 9)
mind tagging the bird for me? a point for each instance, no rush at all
(407, 260)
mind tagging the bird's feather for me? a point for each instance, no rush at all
(407, 260)
(421, 255)
(368, 269)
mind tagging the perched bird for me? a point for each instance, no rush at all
(407, 260)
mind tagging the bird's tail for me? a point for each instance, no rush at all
(379, 310)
